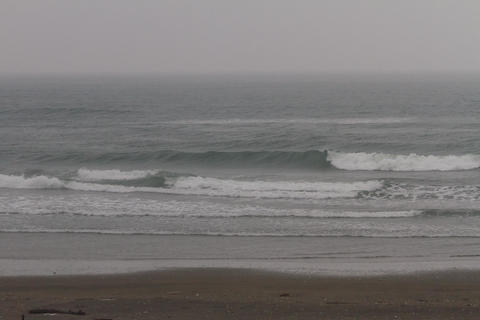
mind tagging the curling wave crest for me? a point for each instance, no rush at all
(410, 162)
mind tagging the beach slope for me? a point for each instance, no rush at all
(243, 294)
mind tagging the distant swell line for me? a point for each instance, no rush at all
(231, 234)
(271, 214)
(343, 121)
(252, 212)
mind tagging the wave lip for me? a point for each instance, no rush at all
(410, 162)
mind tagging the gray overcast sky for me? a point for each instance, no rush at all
(224, 36)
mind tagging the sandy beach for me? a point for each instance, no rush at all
(243, 294)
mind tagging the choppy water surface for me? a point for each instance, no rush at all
(250, 156)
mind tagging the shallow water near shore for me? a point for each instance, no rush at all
(89, 253)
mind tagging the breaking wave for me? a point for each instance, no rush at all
(192, 185)
(37, 182)
(157, 181)
(410, 162)
(113, 174)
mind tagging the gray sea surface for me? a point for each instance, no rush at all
(378, 164)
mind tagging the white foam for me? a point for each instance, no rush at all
(272, 189)
(88, 205)
(44, 182)
(208, 187)
(426, 192)
(91, 205)
(84, 174)
(345, 121)
(243, 189)
(37, 182)
(410, 162)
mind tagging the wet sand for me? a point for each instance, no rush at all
(243, 294)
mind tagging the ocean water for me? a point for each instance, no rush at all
(245, 156)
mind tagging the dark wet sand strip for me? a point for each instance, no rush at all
(243, 294)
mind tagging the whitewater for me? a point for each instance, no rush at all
(401, 162)
(235, 156)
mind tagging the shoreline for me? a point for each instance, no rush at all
(198, 293)
(70, 254)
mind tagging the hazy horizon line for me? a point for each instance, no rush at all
(251, 73)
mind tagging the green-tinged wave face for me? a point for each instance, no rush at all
(310, 159)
